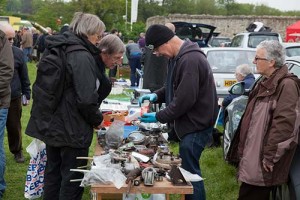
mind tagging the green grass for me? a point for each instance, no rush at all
(220, 181)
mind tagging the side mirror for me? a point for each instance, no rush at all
(237, 88)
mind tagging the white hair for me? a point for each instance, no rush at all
(244, 70)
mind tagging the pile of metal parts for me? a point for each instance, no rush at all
(150, 149)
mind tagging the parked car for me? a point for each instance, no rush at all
(219, 41)
(200, 33)
(223, 61)
(292, 49)
(252, 39)
(233, 114)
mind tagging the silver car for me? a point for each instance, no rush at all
(223, 61)
(292, 48)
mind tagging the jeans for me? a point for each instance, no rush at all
(190, 149)
(134, 63)
(3, 117)
(26, 52)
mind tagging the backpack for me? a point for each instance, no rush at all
(50, 84)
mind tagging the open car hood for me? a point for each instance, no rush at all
(191, 30)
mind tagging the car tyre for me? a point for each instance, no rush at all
(226, 138)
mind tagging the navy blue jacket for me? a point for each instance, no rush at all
(249, 80)
(20, 83)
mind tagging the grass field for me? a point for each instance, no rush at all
(220, 181)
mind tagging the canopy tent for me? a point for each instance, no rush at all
(293, 32)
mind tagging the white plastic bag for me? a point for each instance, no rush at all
(34, 185)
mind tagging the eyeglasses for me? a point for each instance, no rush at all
(10, 39)
(116, 59)
(99, 36)
(258, 58)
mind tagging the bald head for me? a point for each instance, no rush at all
(170, 26)
(9, 32)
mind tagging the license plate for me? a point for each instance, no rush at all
(228, 83)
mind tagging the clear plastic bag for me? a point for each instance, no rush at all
(114, 136)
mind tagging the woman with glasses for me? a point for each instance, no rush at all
(269, 129)
(111, 50)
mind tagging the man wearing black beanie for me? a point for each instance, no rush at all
(190, 96)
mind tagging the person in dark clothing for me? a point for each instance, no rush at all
(64, 28)
(70, 131)
(17, 39)
(134, 53)
(20, 85)
(40, 45)
(242, 73)
(155, 70)
(111, 54)
(190, 95)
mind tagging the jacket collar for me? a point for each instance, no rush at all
(269, 85)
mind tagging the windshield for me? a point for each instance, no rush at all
(227, 61)
(254, 40)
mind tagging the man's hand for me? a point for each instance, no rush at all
(148, 117)
(151, 97)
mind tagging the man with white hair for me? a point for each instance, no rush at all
(242, 73)
(20, 85)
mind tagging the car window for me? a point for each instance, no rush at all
(295, 69)
(227, 61)
(237, 41)
(292, 51)
(254, 40)
(216, 42)
(192, 33)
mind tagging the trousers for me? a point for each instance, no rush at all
(13, 126)
(60, 160)
(190, 149)
(3, 117)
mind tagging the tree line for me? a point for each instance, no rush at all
(113, 12)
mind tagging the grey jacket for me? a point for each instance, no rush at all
(6, 70)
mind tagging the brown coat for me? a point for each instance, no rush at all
(27, 40)
(269, 130)
(6, 70)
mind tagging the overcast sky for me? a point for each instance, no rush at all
(283, 5)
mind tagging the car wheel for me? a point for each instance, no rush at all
(226, 138)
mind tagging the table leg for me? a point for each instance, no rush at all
(99, 197)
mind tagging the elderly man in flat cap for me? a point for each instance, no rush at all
(190, 96)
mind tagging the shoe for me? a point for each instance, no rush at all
(19, 158)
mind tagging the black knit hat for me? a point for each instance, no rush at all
(157, 35)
